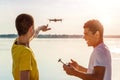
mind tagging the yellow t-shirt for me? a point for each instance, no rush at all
(23, 59)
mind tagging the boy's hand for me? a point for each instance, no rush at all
(68, 69)
(44, 28)
(74, 64)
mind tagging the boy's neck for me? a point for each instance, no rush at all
(23, 40)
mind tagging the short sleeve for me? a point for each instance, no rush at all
(25, 61)
(100, 58)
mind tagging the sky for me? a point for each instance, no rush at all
(73, 12)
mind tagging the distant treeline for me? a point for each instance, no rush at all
(8, 35)
(43, 36)
(55, 36)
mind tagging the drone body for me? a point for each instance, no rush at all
(55, 20)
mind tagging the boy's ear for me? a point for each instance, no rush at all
(30, 29)
(97, 34)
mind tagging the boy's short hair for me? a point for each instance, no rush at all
(94, 25)
(23, 23)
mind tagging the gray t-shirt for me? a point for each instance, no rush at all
(101, 57)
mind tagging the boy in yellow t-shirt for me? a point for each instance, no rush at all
(24, 63)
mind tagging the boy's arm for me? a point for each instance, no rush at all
(75, 65)
(25, 75)
(41, 28)
(81, 68)
(98, 73)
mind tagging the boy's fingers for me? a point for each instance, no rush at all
(49, 29)
(72, 60)
(47, 25)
